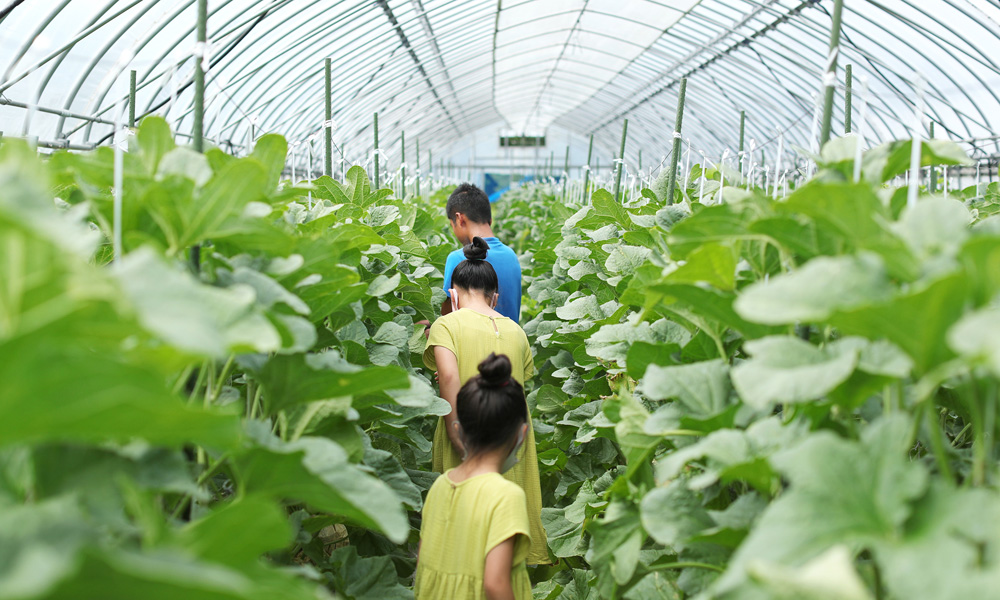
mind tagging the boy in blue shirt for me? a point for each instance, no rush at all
(469, 211)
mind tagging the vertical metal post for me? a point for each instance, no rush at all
(131, 99)
(418, 167)
(620, 163)
(328, 124)
(640, 160)
(197, 137)
(586, 168)
(829, 79)
(376, 152)
(743, 126)
(849, 83)
(932, 176)
(402, 164)
(552, 163)
(676, 154)
(565, 175)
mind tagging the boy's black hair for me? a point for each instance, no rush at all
(474, 273)
(491, 406)
(471, 202)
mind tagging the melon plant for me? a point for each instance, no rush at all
(737, 396)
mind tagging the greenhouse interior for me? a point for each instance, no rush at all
(473, 299)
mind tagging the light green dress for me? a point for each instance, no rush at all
(462, 522)
(472, 336)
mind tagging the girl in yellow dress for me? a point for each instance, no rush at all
(475, 537)
(457, 343)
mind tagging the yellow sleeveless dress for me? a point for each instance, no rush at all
(462, 522)
(472, 336)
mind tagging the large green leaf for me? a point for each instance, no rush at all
(882, 163)
(916, 320)
(191, 316)
(76, 402)
(788, 369)
(842, 492)
(703, 388)
(816, 290)
(605, 206)
(295, 379)
(317, 471)
(223, 536)
(953, 534)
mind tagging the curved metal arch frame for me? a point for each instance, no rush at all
(725, 81)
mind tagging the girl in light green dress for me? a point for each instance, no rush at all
(457, 343)
(475, 535)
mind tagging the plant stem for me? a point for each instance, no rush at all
(938, 447)
(222, 378)
(687, 565)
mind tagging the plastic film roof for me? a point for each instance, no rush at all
(443, 69)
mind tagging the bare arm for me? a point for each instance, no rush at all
(450, 383)
(496, 575)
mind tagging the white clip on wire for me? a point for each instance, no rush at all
(677, 135)
(203, 51)
(329, 124)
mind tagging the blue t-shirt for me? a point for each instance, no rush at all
(508, 270)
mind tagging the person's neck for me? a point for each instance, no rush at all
(483, 230)
(480, 463)
(477, 304)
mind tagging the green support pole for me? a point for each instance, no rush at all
(402, 164)
(376, 152)
(328, 124)
(131, 100)
(676, 153)
(565, 174)
(552, 163)
(586, 171)
(743, 127)
(932, 180)
(597, 164)
(838, 9)
(621, 163)
(849, 84)
(197, 136)
(418, 168)
(640, 160)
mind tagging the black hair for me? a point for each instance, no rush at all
(491, 406)
(471, 202)
(474, 273)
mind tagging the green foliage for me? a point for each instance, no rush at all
(175, 434)
(777, 398)
(737, 396)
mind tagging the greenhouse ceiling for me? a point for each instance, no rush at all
(444, 69)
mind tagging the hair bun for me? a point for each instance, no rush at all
(495, 370)
(477, 249)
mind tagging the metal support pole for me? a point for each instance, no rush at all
(586, 169)
(743, 126)
(552, 163)
(198, 139)
(402, 164)
(621, 163)
(829, 80)
(676, 154)
(932, 176)
(849, 83)
(197, 136)
(376, 152)
(565, 175)
(418, 167)
(328, 124)
(131, 99)
(640, 160)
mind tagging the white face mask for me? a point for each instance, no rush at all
(512, 459)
